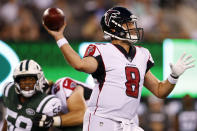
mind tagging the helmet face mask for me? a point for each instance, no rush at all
(29, 68)
(117, 22)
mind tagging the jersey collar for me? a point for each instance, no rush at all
(130, 55)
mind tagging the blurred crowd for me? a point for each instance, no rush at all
(169, 114)
(160, 115)
(22, 19)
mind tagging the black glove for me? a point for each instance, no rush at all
(43, 120)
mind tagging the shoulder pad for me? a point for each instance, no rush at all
(52, 107)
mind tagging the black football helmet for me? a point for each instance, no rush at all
(112, 25)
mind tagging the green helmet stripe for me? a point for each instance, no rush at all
(21, 66)
(27, 65)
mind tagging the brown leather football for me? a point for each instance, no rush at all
(53, 18)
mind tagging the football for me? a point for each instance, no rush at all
(53, 18)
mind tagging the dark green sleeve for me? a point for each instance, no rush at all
(6, 90)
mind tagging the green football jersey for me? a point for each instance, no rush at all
(19, 115)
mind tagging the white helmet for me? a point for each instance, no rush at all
(29, 68)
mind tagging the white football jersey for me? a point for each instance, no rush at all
(63, 88)
(52, 107)
(119, 79)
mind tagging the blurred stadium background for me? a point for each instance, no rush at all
(172, 22)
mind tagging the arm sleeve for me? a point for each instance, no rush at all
(98, 74)
(6, 89)
(87, 88)
(64, 87)
(93, 51)
(150, 62)
(52, 107)
(87, 92)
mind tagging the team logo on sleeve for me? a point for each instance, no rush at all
(73, 85)
(30, 111)
(90, 50)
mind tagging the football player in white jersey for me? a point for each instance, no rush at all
(120, 69)
(73, 95)
(24, 98)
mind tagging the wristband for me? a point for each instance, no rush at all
(172, 80)
(61, 42)
(57, 121)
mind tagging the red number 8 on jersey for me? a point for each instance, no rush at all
(133, 79)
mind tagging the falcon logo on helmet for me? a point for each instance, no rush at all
(111, 14)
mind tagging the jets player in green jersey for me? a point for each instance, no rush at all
(24, 99)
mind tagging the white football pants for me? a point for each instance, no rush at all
(101, 123)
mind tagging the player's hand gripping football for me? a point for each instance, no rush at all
(56, 34)
(46, 121)
(184, 63)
